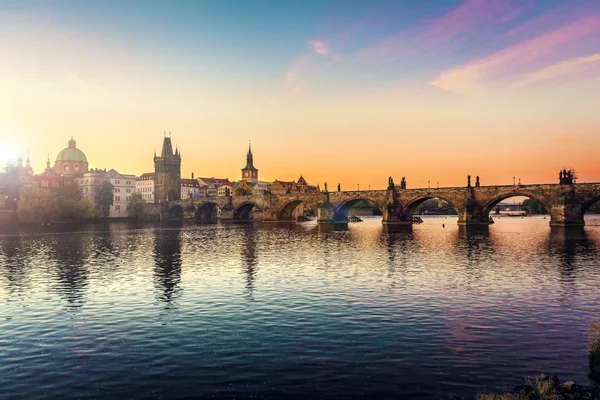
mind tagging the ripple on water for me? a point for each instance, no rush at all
(115, 311)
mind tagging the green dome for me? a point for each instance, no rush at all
(71, 153)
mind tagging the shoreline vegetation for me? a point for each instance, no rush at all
(550, 388)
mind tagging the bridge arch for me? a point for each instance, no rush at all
(587, 204)
(340, 212)
(411, 207)
(244, 211)
(286, 212)
(207, 212)
(490, 204)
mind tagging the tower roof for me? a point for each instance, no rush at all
(167, 148)
(250, 160)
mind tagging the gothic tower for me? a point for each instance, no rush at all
(167, 173)
(249, 173)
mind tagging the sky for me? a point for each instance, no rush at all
(347, 92)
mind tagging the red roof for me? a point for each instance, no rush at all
(189, 182)
(219, 181)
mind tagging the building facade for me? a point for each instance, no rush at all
(144, 185)
(190, 189)
(71, 161)
(167, 173)
(123, 187)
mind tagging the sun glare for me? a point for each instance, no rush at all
(7, 156)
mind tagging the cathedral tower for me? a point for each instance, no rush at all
(167, 173)
(249, 173)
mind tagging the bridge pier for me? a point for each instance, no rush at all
(567, 214)
(326, 213)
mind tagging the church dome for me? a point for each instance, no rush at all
(72, 153)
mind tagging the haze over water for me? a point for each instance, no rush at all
(125, 311)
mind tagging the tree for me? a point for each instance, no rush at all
(36, 206)
(136, 207)
(70, 190)
(535, 207)
(74, 210)
(9, 186)
(105, 199)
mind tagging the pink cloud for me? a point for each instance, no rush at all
(320, 47)
(581, 67)
(449, 29)
(516, 62)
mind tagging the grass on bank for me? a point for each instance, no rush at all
(594, 340)
(541, 389)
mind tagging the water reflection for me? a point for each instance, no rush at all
(69, 253)
(167, 265)
(14, 259)
(249, 260)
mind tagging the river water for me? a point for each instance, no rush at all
(267, 311)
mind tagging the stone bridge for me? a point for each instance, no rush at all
(566, 203)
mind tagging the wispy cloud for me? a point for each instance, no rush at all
(579, 68)
(449, 29)
(533, 60)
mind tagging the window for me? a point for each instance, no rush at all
(118, 207)
(128, 182)
(66, 168)
(118, 190)
(76, 167)
(127, 198)
(127, 190)
(118, 182)
(117, 198)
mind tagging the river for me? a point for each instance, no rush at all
(272, 310)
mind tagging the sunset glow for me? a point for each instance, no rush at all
(348, 93)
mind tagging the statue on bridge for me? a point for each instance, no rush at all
(566, 177)
(339, 188)
(477, 184)
(403, 183)
(326, 187)
(468, 181)
(391, 183)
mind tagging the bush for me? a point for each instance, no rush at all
(544, 388)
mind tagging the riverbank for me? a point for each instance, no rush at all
(546, 388)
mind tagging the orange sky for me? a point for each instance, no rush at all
(337, 116)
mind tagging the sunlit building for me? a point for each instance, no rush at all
(123, 187)
(144, 185)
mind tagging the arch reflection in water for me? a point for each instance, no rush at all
(167, 265)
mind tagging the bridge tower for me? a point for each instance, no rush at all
(249, 173)
(167, 173)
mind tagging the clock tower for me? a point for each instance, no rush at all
(249, 173)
